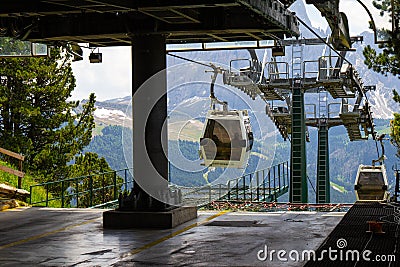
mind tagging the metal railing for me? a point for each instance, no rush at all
(277, 72)
(262, 185)
(82, 192)
(102, 189)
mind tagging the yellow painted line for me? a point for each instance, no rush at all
(158, 241)
(35, 237)
(17, 209)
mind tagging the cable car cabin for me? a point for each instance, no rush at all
(227, 139)
(371, 183)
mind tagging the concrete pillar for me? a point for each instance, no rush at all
(150, 135)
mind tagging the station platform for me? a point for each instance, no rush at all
(75, 237)
(354, 242)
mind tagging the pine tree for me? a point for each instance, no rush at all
(36, 117)
(395, 126)
(387, 61)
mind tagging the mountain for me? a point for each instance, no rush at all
(113, 111)
(381, 100)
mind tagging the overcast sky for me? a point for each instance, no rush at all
(112, 78)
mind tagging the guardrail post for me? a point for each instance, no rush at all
(258, 185)
(287, 172)
(20, 178)
(126, 181)
(91, 190)
(47, 195)
(237, 189)
(115, 185)
(244, 187)
(279, 176)
(274, 184)
(104, 193)
(229, 190)
(77, 194)
(269, 183)
(284, 174)
(220, 193)
(62, 194)
(263, 177)
(251, 187)
(30, 195)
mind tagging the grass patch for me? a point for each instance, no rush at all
(38, 194)
(97, 129)
(339, 188)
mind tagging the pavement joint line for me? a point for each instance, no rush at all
(35, 237)
(165, 238)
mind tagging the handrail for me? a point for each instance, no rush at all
(280, 163)
(272, 184)
(268, 183)
(274, 72)
(11, 154)
(9, 170)
(77, 187)
(80, 177)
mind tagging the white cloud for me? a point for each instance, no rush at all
(110, 79)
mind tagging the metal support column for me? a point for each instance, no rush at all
(323, 180)
(298, 181)
(150, 161)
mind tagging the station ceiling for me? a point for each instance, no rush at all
(115, 22)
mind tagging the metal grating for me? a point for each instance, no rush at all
(353, 229)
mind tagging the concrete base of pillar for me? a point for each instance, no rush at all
(148, 219)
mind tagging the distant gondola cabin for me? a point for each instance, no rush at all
(227, 139)
(371, 183)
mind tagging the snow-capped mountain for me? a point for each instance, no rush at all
(114, 111)
(381, 100)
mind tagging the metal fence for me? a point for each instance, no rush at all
(102, 189)
(262, 185)
(84, 191)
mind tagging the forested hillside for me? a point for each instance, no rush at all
(345, 157)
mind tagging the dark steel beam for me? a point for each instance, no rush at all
(191, 21)
(20, 7)
(104, 24)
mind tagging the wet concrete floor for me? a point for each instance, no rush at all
(75, 237)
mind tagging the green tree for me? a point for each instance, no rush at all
(36, 117)
(395, 126)
(387, 60)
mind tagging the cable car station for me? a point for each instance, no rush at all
(182, 235)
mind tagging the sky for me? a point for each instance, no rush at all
(112, 78)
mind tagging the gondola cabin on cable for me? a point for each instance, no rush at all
(371, 183)
(227, 139)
